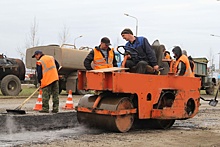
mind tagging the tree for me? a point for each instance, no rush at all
(33, 40)
(64, 35)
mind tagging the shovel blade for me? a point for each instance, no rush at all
(15, 111)
(213, 103)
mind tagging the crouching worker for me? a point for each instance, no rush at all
(182, 65)
(47, 73)
(102, 56)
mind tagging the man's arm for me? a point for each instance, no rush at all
(181, 69)
(88, 60)
(57, 64)
(150, 54)
(114, 61)
(39, 73)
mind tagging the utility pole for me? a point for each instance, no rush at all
(218, 53)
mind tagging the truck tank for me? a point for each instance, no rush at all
(69, 58)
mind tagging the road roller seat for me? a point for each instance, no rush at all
(158, 48)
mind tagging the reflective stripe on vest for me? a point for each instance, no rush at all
(100, 61)
(184, 59)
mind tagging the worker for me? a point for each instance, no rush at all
(47, 73)
(102, 56)
(182, 65)
(191, 61)
(167, 55)
(145, 61)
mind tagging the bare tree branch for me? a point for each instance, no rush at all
(64, 35)
(32, 40)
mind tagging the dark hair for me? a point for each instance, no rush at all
(127, 31)
(177, 51)
(106, 41)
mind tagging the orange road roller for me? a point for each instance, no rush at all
(123, 100)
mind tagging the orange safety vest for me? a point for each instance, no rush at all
(49, 70)
(167, 56)
(185, 60)
(100, 61)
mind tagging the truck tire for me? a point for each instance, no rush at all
(210, 90)
(10, 85)
(79, 92)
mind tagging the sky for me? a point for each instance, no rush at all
(187, 23)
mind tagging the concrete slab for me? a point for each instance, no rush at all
(10, 123)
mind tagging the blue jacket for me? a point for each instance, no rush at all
(145, 52)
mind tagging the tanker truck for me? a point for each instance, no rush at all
(71, 60)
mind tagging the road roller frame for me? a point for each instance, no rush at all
(164, 98)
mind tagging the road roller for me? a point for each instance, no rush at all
(123, 100)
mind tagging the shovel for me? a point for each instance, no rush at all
(18, 109)
(212, 102)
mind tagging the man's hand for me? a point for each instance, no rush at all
(129, 56)
(156, 67)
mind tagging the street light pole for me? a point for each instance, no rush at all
(135, 19)
(75, 40)
(219, 63)
(218, 53)
(214, 35)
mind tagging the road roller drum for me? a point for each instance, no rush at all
(110, 118)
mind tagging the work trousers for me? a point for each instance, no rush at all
(52, 89)
(141, 67)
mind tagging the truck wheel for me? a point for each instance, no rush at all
(210, 90)
(10, 85)
(79, 92)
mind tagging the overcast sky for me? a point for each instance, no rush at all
(187, 23)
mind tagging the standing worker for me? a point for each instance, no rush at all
(191, 61)
(47, 73)
(146, 62)
(182, 65)
(102, 56)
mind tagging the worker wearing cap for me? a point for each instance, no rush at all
(47, 73)
(182, 65)
(102, 56)
(146, 60)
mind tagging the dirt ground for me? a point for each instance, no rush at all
(201, 131)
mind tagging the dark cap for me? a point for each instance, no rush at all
(127, 31)
(36, 53)
(106, 41)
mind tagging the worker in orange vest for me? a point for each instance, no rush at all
(102, 56)
(47, 73)
(182, 65)
(191, 61)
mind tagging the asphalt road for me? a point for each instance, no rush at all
(202, 130)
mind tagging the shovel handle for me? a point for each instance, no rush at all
(19, 107)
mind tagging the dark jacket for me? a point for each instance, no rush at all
(88, 60)
(39, 70)
(145, 52)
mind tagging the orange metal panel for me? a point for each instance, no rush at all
(148, 89)
(107, 112)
